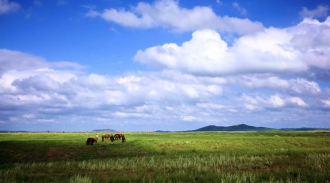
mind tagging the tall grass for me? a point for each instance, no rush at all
(176, 157)
(181, 168)
(80, 179)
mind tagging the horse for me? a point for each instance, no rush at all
(112, 138)
(117, 136)
(90, 141)
(123, 139)
(107, 136)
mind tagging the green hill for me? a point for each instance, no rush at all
(104, 130)
(240, 127)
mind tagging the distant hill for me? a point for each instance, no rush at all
(240, 127)
(104, 130)
(303, 129)
(161, 131)
(3, 131)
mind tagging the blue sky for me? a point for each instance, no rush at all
(163, 65)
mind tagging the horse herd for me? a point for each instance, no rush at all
(91, 140)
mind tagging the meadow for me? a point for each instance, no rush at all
(230, 157)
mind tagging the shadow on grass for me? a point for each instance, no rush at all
(39, 151)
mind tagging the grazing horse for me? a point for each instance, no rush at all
(112, 138)
(123, 139)
(117, 136)
(107, 136)
(90, 141)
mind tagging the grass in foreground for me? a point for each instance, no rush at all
(167, 157)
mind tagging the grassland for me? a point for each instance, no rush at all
(275, 156)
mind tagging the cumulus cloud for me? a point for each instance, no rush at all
(276, 101)
(326, 103)
(168, 14)
(189, 118)
(281, 101)
(8, 7)
(320, 11)
(169, 97)
(66, 65)
(207, 54)
(295, 86)
(15, 60)
(47, 93)
(303, 86)
(298, 101)
(310, 38)
(267, 75)
(296, 49)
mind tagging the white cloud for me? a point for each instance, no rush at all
(210, 106)
(249, 107)
(18, 61)
(298, 101)
(28, 115)
(46, 120)
(8, 7)
(168, 14)
(147, 98)
(15, 60)
(272, 101)
(92, 13)
(326, 103)
(240, 9)
(320, 11)
(253, 81)
(201, 53)
(276, 101)
(129, 115)
(310, 38)
(65, 64)
(302, 86)
(207, 54)
(297, 49)
(189, 118)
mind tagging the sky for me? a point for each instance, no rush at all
(172, 65)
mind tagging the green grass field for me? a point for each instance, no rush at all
(275, 156)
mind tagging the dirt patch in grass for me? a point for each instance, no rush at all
(57, 153)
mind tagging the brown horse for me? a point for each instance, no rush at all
(112, 138)
(107, 136)
(123, 139)
(90, 141)
(117, 136)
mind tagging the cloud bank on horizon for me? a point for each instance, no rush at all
(162, 65)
